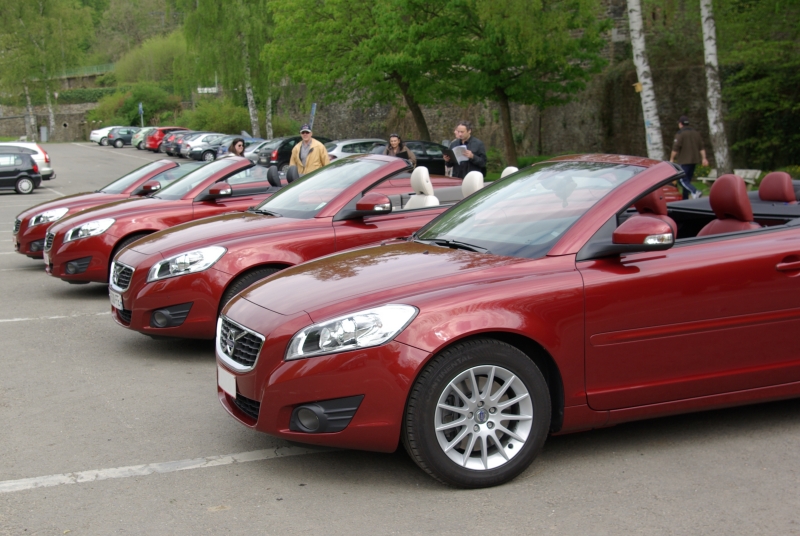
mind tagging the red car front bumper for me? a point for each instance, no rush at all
(90, 254)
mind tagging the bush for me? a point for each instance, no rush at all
(284, 126)
(216, 116)
(123, 106)
(153, 61)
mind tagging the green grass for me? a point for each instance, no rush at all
(8, 138)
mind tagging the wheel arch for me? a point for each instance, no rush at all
(117, 245)
(247, 271)
(531, 348)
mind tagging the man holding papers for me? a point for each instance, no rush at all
(466, 153)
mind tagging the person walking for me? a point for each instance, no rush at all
(396, 146)
(688, 150)
(309, 154)
(236, 147)
(476, 152)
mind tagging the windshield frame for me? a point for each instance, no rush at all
(223, 169)
(138, 172)
(540, 183)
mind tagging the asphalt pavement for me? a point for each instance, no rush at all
(106, 431)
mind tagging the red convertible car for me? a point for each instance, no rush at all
(566, 297)
(173, 283)
(79, 248)
(31, 225)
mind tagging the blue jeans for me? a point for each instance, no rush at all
(686, 182)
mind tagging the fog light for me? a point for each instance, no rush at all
(160, 319)
(72, 268)
(308, 419)
(36, 246)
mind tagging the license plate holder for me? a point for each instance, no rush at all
(226, 381)
(116, 299)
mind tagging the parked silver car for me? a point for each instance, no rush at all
(341, 148)
(198, 142)
(38, 154)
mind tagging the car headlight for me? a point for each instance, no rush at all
(48, 215)
(188, 262)
(92, 228)
(363, 329)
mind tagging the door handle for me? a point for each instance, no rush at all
(788, 266)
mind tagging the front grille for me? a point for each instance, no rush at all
(121, 275)
(248, 407)
(238, 343)
(17, 224)
(124, 315)
(48, 241)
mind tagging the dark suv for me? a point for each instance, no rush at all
(18, 172)
(278, 151)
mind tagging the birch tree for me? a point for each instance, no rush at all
(652, 125)
(719, 140)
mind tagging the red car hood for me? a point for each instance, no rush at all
(73, 202)
(129, 208)
(216, 230)
(386, 272)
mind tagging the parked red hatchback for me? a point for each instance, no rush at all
(173, 283)
(542, 304)
(79, 248)
(31, 225)
(156, 137)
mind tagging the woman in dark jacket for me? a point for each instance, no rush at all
(397, 146)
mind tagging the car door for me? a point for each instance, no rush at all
(711, 315)
(8, 170)
(433, 155)
(249, 188)
(360, 231)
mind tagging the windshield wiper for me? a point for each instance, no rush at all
(266, 212)
(455, 244)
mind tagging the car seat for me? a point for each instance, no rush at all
(777, 186)
(274, 176)
(472, 183)
(423, 190)
(508, 171)
(731, 206)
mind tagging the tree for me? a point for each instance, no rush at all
(719, 140)
(652, 124)
(363, 51)
(538, 52)
(228, 37)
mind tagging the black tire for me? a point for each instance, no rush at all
(244, 281)
(422, 441)
(122, 244)
(160, 148)
(24, 185)
(103, 142)
(283, 168)
(208, 156)
(140, 145)
(118, 144)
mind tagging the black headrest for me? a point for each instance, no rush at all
(274, 176)
(292, 174)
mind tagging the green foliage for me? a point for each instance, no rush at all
(152, 61)
(216, 115)
(125, 24)
(284, 126)
(81, 95)
(123, 106)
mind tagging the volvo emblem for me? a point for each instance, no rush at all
(481, 416)
(229, 340)
(116, 275)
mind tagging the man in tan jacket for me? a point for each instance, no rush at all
(309, 154)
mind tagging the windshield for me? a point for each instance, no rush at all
(305, 197)
(122, 183)
(183, 186)
(171, 175)
(525, 214)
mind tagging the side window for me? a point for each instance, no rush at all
(349, 149)
(418, 149)
(291, 143)
(433, 150)
(7, 160)
(253, 174)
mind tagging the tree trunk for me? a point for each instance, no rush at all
(50, 114)
(268, 125)
(652, 126)
(719, 141)
(248, 88)
(508, 135)
(539, 144)
(30, 120)
(416, 111)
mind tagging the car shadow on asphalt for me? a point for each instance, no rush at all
(139, 346)
(90, 291)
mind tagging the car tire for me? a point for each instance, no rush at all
(208, 156)
(122, 244)
(24, 185)
(103, 142)
(140, 145)
(283, 168)
(244, 281)
(118, 144)
(160, 148)
(473, 454)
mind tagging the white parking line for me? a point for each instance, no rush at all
(95, 475)
(53, 190)
(3, 320)
(122, 154)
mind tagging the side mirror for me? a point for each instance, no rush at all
(374, 203)
(147, 188)
(220, 189)
(644, 233)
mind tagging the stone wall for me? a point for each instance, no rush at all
(70, 121)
